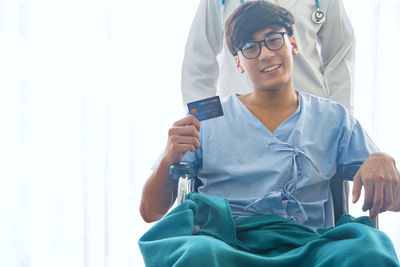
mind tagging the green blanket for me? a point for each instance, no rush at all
(201, 232)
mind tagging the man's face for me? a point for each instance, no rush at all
(271, 69)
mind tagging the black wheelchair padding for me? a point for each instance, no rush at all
(182, 168)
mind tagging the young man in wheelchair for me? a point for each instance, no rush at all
(265, 168)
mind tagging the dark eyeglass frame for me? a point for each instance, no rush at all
(265, 41)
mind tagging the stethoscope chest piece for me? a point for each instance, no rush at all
(318, 16)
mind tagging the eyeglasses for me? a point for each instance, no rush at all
(273, 41)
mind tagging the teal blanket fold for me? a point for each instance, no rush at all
(201, 232)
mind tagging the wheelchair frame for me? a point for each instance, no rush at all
(339, 185)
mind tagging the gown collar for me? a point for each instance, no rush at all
(254, 122)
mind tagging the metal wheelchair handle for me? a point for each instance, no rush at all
(186, 171)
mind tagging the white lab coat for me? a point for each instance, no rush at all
(324, 66)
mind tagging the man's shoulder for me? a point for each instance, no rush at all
(231, 112)
(229, 102)
(326, 112)
(323, 104)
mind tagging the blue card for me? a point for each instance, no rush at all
(206, 108)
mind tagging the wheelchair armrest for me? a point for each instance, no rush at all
(349, 171)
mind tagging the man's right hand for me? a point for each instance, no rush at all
(182, 137)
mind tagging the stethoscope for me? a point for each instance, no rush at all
(318, 16)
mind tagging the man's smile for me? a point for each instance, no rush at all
(271, 68)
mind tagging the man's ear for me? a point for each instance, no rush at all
(295, 48)
(238, 65)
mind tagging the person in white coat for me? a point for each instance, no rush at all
(324, 66)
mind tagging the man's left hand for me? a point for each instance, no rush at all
(380, 178)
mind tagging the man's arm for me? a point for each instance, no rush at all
(159, 192)
(337, 42)
(200, 69)
(380, 179)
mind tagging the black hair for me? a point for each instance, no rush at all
(252, 17)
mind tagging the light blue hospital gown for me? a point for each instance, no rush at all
(286, 172)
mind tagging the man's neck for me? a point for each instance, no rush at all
(271, 108)
(271, 102)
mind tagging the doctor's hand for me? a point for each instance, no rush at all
(182, 137)
(380, 178)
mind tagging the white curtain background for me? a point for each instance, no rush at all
(88, 90)
(377, 93)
